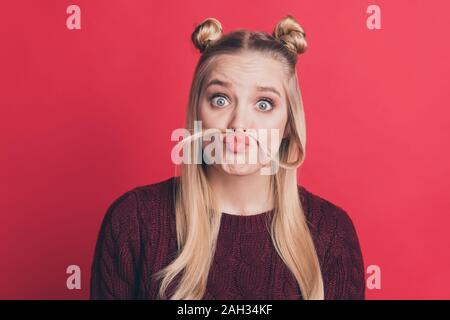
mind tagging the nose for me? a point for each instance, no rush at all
(240, 119)
(239, 124)
(239, 129)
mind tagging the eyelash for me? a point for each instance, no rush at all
(225, 97)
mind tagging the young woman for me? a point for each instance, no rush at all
(224, 230)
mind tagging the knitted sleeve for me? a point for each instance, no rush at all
(344, 265)
(117, 251)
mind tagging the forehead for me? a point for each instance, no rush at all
(249, 69)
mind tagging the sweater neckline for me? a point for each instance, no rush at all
(258, 222)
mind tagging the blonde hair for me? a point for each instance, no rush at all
(197, 217)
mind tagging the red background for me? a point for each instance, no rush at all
(87, 115)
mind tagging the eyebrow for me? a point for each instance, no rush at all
(271, 89)
(228, 85)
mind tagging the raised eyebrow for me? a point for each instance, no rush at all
(271, 89)
(229, 85)
(219, 82)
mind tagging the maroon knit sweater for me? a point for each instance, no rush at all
(138, 238)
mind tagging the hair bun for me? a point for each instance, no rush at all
(291, 34)
(208, 30)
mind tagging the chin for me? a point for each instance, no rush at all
(240, 169)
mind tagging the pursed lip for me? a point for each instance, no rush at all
(237, 144)
(237, 138)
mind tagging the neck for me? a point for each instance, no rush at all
(241, 194)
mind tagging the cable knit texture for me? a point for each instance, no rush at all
(138, 237)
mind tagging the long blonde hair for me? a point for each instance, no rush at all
(197, 217)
